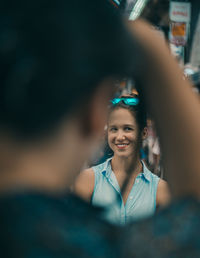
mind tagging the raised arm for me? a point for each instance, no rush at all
(175, 109)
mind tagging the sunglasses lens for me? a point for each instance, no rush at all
(115, 101)
(131, 101)
(127, 101)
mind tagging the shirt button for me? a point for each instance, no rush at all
(131, 197)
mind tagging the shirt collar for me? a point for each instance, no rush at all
(107, 170)
(146, 172)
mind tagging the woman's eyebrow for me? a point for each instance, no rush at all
(130, 125)
(112, 125)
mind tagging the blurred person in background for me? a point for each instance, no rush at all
(151, 149)
(102, 184)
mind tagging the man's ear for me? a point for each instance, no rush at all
(95, 114)
(144, 133)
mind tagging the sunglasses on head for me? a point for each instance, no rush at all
(126, 101)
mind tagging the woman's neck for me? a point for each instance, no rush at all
(126, 165)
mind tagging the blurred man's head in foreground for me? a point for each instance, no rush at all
(58, 64)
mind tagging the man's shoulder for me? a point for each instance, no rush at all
(52, 225)
(34, 206)
(172, 232)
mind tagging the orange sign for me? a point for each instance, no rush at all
(178, 29)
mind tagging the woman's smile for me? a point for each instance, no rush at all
(122, 146)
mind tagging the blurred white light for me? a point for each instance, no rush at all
(137, 9)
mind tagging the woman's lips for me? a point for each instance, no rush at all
(122, 146)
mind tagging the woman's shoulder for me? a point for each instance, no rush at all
(86, 180)
(87, 175)
(163, 193)
(84, 184)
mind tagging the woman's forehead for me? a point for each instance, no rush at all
(121, 116)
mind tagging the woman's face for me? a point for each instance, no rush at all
(123, 134)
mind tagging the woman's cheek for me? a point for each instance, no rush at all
(110, 142)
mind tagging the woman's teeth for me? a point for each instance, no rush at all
(122, 145)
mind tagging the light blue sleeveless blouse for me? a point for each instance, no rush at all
(141, 201)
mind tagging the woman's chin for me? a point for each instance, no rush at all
(122, 154)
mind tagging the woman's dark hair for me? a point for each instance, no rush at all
(53, 53)
(138, 111)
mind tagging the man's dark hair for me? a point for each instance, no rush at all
(51, 51)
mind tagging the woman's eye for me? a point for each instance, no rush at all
(113, 129)
(128, 129)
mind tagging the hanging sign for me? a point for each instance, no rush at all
(180, 15)
(178, 33)
(180, 12)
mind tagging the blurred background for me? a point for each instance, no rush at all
(178, 23)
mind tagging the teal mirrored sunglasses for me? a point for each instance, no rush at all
(126, 101)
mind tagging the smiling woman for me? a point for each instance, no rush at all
(123, 135)
(103, 185)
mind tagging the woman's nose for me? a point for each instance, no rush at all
(120, 136)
